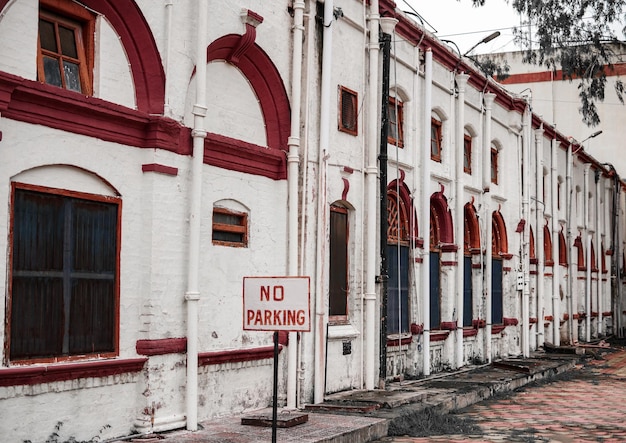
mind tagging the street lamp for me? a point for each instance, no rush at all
(485, 40)
(595, 134)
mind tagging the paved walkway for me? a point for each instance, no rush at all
(587, 406)
(366, 416)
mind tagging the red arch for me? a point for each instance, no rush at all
(399, 189)
(547, 246)
(266, 82)
(143, 56)
(440, 215)
(499, 240)
(472, 230)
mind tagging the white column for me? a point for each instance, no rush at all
(556, 267)
(539, 251)
(487, 217)
(587, 239)
(526, 233)
(461, 82)
(371, 171)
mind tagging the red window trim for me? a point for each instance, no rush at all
(241, 228)
(35, 375)
(437, 125)
(116, 330)
(343, 126)
(399, 106)
(467, 154)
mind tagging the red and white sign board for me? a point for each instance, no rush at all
(276, 304)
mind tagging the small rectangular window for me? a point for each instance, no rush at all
(348, 111)
(494, 166)
(65, 56)
(396, 119)
(467, 154)
(435, 140)
(230, 228)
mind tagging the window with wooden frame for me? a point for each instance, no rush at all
(562, 250)
(547, 246)
(64, 282)
(494, 166)
(396, 122)
(65, 46)
(338, 266)
(435, 140)
(230, 228)
(467, 153)
(348, 111)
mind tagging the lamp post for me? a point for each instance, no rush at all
(387, 25)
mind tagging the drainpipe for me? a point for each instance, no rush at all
(588, 239)
(556, 267)
(293, 163)
(526, 233)
(425, 213)
(387, 24)
(169, 6)
(599, 255)
(370, 182)
(322, 208)
(539, 210)
(487, 266)
(570, 267)
(193, 293)
(461, 83)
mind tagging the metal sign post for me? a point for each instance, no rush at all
(276, 304)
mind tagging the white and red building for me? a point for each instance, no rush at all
(156, 153)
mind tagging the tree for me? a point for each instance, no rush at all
(577, 37)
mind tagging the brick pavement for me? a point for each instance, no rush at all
(587, 406)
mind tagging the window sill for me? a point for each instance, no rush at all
(339, 332)
(39, 374)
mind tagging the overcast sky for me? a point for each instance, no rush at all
(466, 25)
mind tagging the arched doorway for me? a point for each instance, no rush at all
(471, 244)
(440, 233)
(398, 244)
(499, 248)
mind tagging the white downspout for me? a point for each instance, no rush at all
(526, 233)
(461, 82)
(193, 292)
(599, 255)
(556, 267)
(539, 244)
(588, 239)
(169, 6)
(372, 200)
(487, 287)
(425, 213)
(570, 265)
(293, 171)
(322, 208)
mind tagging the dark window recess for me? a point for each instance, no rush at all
(338, 290)
(396, 119)
(230, 228)
(467, 154)
(348, 111)
(63, 289)
(435, 140)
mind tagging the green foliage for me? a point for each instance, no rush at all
(577, 37)
(55, 436)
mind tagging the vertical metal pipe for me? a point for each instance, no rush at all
(461, 83)
(489, 98)
(385, 40)
(193, 292)
(370, 184)
(293, 168)
(539, 244)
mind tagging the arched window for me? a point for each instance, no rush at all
(562, 250)
(471, 238)
(547, 246)
(499, 240)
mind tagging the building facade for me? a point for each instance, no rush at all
(156, 153)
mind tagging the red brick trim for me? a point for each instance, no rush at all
(506, 269)
(607, 314)
(476, 266)
(548, 318)
(34, 375)
(532, 320)
(416, 329)
(403, 341)
(496, 329)
(236, 355)
(509, 321)
(479, 323)
(162, 169)
(439, 335)
(448, 263)
(448, 325)
(161, 346)
(469, 332)
(449, 247)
